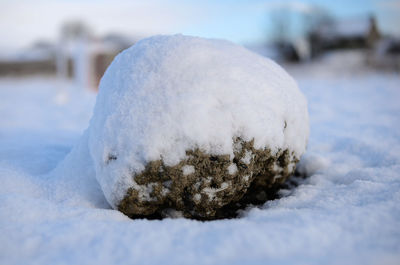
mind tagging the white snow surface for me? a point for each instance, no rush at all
(347, 212)
(169, 94)
(188, 169)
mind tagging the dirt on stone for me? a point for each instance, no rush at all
(207, 187)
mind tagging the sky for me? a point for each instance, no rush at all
(23, 22)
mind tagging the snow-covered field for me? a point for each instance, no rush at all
(347, 212)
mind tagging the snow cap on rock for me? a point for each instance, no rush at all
(168, 94)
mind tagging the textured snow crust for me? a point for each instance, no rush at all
(347, 212)
(169, 94)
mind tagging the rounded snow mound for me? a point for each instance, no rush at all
(168, 97)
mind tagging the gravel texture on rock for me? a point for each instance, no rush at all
(193, 127)
(205, 186)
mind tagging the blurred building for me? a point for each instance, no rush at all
(386, 54)
(38, 59)
(78, 55)
(351, 33)
(381, 52)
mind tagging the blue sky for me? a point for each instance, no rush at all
(23, 21)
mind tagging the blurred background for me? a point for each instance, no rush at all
(345, 57)
(76, 40)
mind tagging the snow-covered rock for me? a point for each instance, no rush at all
(193, 125)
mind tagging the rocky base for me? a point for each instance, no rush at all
(207, 186)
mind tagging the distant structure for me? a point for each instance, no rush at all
(294, 51)
(381, 52)
(323, 33)
(83, 57)
(361, 32)
(38, 59)
(78, 55)
(291, 27)
(386, 54)
(73, 54)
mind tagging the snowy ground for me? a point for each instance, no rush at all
(347, 212)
